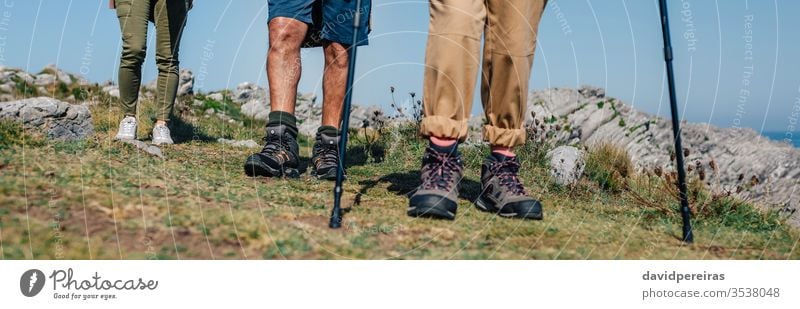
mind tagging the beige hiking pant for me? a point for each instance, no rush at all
(453, 56)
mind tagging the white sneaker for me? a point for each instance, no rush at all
(127, 128)
(161, 135)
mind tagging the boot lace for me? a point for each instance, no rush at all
(275, 144)
(328, 155)
(442, 170)
(508, 173)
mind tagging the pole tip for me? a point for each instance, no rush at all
(336, 220)
(688, 238)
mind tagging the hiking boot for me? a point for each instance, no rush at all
(436, 196)
(161, 135)
(325, 157)
(503, 192)
(279, 157)
(127, 129)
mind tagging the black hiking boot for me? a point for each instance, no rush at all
(436, 196)
(279, 157)
(325, 157)
(503, 192)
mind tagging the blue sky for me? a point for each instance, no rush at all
(736, 60)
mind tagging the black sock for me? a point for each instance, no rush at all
(329, 131)
(500, 157)
(452, 149)
(283, 118)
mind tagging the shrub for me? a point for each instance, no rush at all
(12, 133)
(609, 166)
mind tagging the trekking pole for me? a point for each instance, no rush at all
(336, 213)
(686, 215)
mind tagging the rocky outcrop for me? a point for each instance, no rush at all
(255, 104)
(145, 147)
(44, 79)
(62, 76)
(732, 160)
(239, 143)
(56, 119)
(185, 83)
(566, 164)
(217, 96)
(111, 89)
(254, 100)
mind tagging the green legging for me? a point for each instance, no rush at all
(169, 17)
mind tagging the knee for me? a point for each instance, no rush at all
(336, 55)
(167, 64)
(285, 36)
(134, 54)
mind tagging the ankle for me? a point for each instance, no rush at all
(443, 142)
(444, 145)
(328, 130)
(504, 151)
(286, 119)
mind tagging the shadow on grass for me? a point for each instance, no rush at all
(357, 155)
(183, 132)
(407, 182)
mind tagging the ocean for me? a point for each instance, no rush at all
(781, 137)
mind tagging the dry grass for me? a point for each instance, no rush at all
(610, 166)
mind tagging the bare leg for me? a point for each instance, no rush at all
(334, 83)
(283, 62)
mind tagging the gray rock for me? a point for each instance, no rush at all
(224, 117)
(257, 109)
(152, 86)
(243, 143)
(648, 140)
(45, 79)
(186, 83)
(216, 96)
(359, 114)
(147, 148)
(308, 113)
(475, 131)
(254, 100)
(8, 87)
(112, 90)
(60, 75)
(246, 92)
(6, 74)
(26, 77)
(566, 164)
(56, 119)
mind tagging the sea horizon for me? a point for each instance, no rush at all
(782, 136)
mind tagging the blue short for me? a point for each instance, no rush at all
(330, 20)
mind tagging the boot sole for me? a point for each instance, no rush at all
(255, 169)
(485, 206)
(433, 207)
(330, 175)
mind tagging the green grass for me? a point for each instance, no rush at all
(98, 199)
